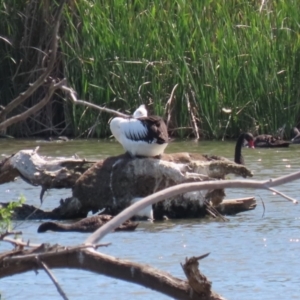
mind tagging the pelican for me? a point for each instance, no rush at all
(141, 135)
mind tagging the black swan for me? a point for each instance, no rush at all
(186, 157)
(238, 158)
(89, 224)
(269, 141)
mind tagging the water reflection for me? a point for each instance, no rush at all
(251, 257)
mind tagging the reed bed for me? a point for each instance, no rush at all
(236, 63)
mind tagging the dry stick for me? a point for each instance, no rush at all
(262, 5)
(281, 194)
(15, 119)
(3, 235)
(196, 108)
(20, 243)
(48, 271)
(184, 188)
(33, 87)
(229, 118)
(263, 204)
(139, 90)
(49, 253)
(194, 123)
(168, 104)
(214, 212)
(103, 264)
(75, 101)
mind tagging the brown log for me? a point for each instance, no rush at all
(85, 259)
(235, 206)
(116, 182)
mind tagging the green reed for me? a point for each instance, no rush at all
(232, 62)
(222, 54)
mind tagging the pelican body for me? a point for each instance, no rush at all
(141, 136)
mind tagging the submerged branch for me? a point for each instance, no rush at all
(53, 279)
(184, 188)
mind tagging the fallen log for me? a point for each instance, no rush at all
(84, 257)
(235, 206)
(117, 182)
(22, 260)
(41, 171)
(114, 183)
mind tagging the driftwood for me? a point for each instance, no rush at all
(20, 261)
(85, 257)
(235, 206)
(117, 182)
(39, 171)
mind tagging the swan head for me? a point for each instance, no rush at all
(249, 138)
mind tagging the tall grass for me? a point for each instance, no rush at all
(222, 54)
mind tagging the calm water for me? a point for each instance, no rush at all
(252, 257)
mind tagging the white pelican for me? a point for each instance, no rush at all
(141, 135)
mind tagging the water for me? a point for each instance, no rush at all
(251, 257)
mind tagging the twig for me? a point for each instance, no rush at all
(5, 234)
(75, 101)
(283, 195)
(262, 5)
(33, 109)
(263, 204)
(139, 90)
(229, 118)
(184, 188)
(20, 243)
(214, 212)
(48, 271)
(194, 123)
(48, 251)
(168, 105)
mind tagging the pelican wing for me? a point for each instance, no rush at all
(135, 130)
(157, 129)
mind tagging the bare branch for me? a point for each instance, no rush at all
(20, 243)
(48, 271)
(282, 195)
(139, 90)
(194, 123)
(184, 188)
(168, 104)
(33, 109)
(99, 263)
(33, 87)
(5, 234)
(75, 101)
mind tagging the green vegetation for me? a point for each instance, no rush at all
(222, 54)
(6, 214)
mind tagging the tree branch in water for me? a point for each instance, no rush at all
(184, 188)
